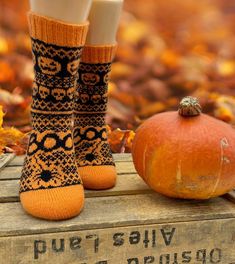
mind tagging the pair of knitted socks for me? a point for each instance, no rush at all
(69, 137)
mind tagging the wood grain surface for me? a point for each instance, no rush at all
(174, 243)
(128, 224)
(126, 184)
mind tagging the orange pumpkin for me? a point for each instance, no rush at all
(186, 154)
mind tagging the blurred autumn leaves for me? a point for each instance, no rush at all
(11, 139)
(167, 49)
(175, 48)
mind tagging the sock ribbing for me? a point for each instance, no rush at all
(99, 54)
(57, 32)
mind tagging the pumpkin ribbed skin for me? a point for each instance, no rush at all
(186, 157)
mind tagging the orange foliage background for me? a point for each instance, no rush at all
(167, 49)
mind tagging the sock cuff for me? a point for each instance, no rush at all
(57, 32)
(99, 54)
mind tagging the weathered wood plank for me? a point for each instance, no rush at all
(9, 191)
(9, 173)
(122, 157)
(130, 184)
(5, 159)
(14, 172)
(107, 212)
(205, 242)
(230, 196)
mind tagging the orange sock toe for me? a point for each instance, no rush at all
(98, 177)
(54, 204)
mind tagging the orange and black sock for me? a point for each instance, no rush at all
(50, 185)
(93, 154)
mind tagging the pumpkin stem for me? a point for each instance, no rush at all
(189, 106)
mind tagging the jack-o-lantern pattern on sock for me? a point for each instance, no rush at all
(50, 160)
(90, 133)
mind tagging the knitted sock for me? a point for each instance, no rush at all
(93, 154)
(50, 185)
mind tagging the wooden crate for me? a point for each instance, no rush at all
(127, 224)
